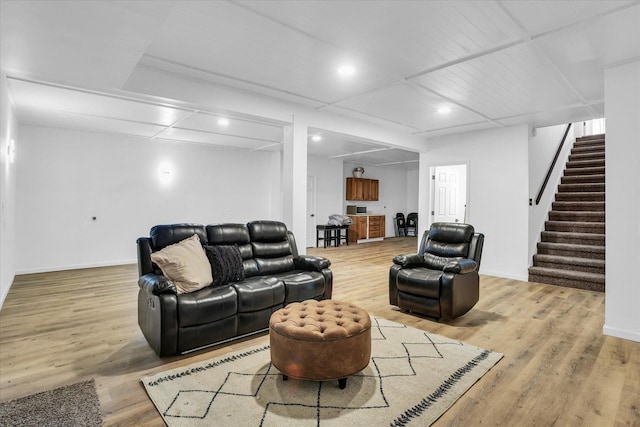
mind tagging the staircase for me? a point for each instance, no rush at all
(571, 251)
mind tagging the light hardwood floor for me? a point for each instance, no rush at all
(558, 368)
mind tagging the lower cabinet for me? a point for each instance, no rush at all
(376, 226)
(366, 227)
(358, 230)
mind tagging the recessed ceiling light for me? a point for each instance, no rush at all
(223, 122)
(346, 70)
(316, 138)
(444, 109)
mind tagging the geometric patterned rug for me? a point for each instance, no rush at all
(412, 379)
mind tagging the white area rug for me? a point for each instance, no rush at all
(413, 378)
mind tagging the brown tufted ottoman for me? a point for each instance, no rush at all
(320, 340)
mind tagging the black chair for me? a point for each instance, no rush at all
(412, 224)
(400, 225)
(441, 280)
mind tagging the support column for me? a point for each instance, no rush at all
(622, 162)
(294, 181)
(424, 196)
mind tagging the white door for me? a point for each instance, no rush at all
(311, 211)
(449, 193)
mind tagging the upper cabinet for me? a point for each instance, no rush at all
(362, 189)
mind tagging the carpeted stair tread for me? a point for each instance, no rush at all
(587, 149)
(583, 179)
(588, 142)
(594, 170)
(570, 263)
(595, 137)
(578, 206)
(588, 163)
(575, 226)
(582, 216)
(568, 278)
(581, 187)
(575, 238)
(587, 155)
(580, 196)
(571, 249)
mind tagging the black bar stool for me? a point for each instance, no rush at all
(327, 232)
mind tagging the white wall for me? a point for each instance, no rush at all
(498, 192)
(66, 177)
(9, 126)
(329, 185)
(542, 148)
(412, 191)
(622, 112)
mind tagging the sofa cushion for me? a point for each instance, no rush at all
(450, 232)
(186, 264)
(419, 281)
(207, 305)
(267, 231)
(258, 293)
(165, 235)
(447, 242)
(302, 285)
(271, 250)
(274, 265)
(436, 262)
(226, 264)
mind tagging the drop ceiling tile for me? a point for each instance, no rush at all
(236, 127)
(462, 129)
(30, 96)
(411, 106)
(62, 119)
(549, 118)
(230, 41)
(540, 17)
(582, 51)
(395, 35)
(513, 81)
(88, 44)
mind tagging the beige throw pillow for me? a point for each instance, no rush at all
(186, 264)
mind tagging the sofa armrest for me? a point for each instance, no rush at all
(156, 284)
(409, 260)
(463, 266)
(311, 263)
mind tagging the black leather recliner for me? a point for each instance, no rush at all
(440, 281)
(274, 275)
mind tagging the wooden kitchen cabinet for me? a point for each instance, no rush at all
(374, 189)
(358, 230)
(362, 189)
(366, 227)
(376, 226)
(355, 189)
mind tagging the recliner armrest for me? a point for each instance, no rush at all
(311, 263)
(156, 284)
(409, 260)
(463, 266)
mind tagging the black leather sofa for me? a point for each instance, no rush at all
(274, 275)
(441, 280)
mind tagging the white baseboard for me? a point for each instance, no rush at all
(75, 266)
(621, 333)
(504, 275)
